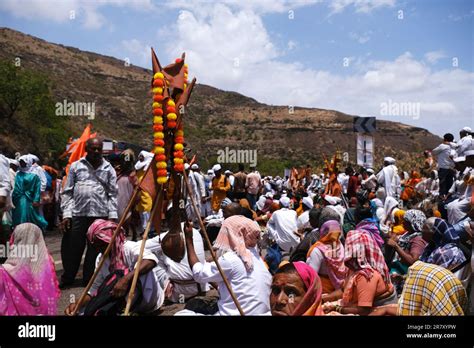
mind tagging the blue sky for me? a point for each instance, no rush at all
(349, 55)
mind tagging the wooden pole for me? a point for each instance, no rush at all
(208, 241)
(107, 251)
(136, 270)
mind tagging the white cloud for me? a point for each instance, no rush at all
(291, 45)
(433, 56)
(250, 64)
(86, 12)
(137, 52)
(361, 6)
(360, 38)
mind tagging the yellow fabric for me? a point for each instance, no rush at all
(299, 210)
(431, 290)
(398, 226)
(145, 202)
(220, 186)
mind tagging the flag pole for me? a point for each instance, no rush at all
(208, 242)
(136, 270)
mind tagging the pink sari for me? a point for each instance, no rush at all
(28, 283)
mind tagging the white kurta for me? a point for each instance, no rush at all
(282, 227)
(153, 283)
(177, 272)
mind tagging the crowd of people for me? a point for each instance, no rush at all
(348, 241)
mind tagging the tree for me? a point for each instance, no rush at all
(28, 110)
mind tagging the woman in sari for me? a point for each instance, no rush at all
(296, 291)
(366, 222)
(27, 196)
(367, 284)
(28, 283)
(326, 257)
(409, 247)
(441, 249)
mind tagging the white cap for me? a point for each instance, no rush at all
(308, 202)
(216, 167)
(186, 166)
(210, 171)
(370, 170)
(34, 157)
(227, 172)
(467, 129)
(285, 202)
(390, 160)
(194, 167)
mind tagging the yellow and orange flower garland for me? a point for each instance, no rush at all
(158, 129)
(178, 154)
(159, 112)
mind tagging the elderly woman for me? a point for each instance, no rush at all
(28, 283)
(326, 257)
(240, 260)
(367, 284)
(409, 246)
(429, 290)
(441, 249)
(296, 291)
(406, 249)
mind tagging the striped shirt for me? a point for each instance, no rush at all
(89, 191)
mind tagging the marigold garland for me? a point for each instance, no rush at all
(158, 134)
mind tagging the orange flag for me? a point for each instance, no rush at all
(77, 149)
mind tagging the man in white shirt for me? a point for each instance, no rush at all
(465, 142)
(388, 178)
(458, 208)
(369, 180)
(282, 226)
(303, 220)
(444, 156)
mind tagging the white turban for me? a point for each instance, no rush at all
(389, 160)
(194, 167)
(285, 202)
(308, 202)
(216, 168)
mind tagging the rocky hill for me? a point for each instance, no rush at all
(215, 118)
